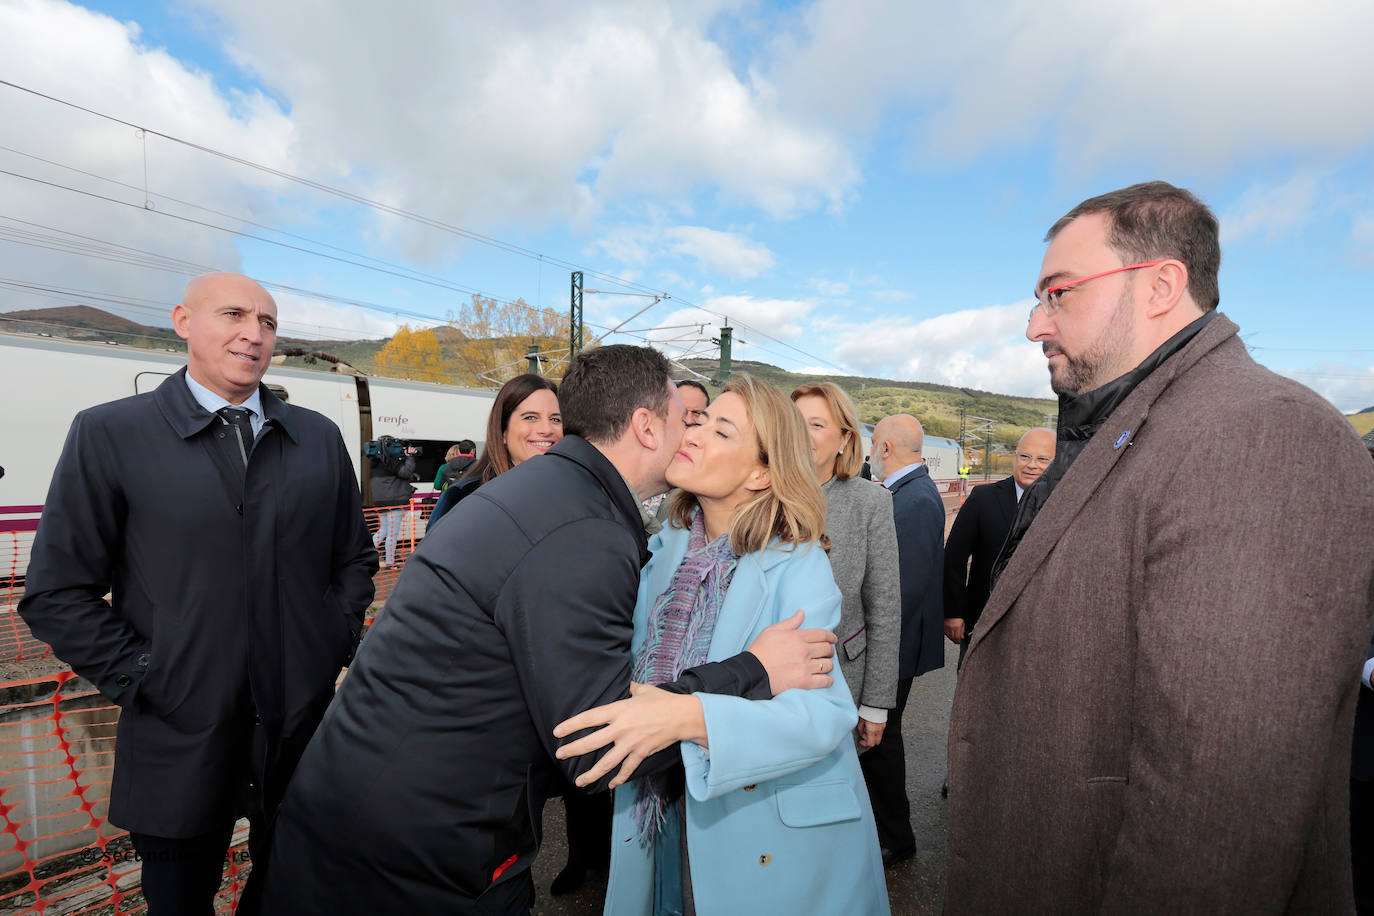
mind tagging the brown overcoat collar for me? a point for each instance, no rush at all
(1098, 459)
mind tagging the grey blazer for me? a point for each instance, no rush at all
(863, 557)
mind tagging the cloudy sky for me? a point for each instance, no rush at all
(860, 185)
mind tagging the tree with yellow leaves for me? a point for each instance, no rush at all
(413, 354)
(496, 336)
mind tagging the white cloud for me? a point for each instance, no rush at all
(974, 348)
(313, 319)
(529, 113)
(829, 288)
(1349, 387)
(1271, 211)
(728, 252)
(92, 60)
(777, 317)
(1178, 83)
(889, 296)
(731, 253)
(1362, 237)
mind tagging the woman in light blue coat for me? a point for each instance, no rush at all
(769, 813)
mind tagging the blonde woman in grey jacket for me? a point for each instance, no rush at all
(863, 555)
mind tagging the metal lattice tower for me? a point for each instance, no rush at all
(575, 316)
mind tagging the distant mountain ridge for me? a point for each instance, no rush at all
(81, 322)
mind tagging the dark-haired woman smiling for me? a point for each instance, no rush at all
(524, 421)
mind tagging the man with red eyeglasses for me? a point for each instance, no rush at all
(1155, 710)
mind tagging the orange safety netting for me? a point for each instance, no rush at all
(408, 523)
(16, 539)
(58, 854)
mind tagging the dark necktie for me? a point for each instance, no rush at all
(238, 418)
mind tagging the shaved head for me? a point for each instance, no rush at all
(1037, 441)
(897, 442)
(229, 323)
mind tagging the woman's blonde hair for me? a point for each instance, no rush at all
(851, 458)
(792, 507)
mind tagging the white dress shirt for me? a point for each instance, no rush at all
(898, 474)
(213, 402)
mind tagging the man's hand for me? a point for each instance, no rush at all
(870, 733)
(646, 723)
(794, 657)
(954, 629)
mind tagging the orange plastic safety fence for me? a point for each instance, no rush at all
(58, 854)
(407, 524)
(16, 539)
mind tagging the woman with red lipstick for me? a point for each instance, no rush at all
(524, 421)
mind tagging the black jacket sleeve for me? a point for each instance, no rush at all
(353, 559)
(566, 614)
(73, 563)
(741, 675)
(958, 550)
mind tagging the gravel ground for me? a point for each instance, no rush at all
(916, 886)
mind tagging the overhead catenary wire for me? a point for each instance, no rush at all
(114, 251)
(401, 212)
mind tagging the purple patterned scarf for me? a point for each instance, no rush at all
(678, 637)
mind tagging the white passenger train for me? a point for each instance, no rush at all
(45, 382)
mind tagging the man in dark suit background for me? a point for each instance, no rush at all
(920, 518)
(978, 533)
(228, 527)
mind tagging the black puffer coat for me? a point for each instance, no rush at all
(429, 772)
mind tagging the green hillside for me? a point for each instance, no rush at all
(1362, 421)
(936, 406)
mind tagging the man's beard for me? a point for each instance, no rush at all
(1086, 371)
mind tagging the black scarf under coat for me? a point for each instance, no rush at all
(1080, 417)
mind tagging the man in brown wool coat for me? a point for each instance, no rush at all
(1156, 709)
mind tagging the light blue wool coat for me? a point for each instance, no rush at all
(777, 813)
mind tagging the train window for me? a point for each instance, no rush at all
(280, 392)
(147, 381)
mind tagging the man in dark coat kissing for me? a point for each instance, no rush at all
(228, 527)
(423, 788)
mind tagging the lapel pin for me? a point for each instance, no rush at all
(1121, 439)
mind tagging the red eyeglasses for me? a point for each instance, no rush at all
(1051, 300)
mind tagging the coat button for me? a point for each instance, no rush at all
(142, 660)
(765, 859)
(124, 680)
(751, 788)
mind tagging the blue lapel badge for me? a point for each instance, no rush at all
(1121, 439)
